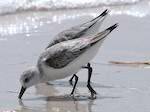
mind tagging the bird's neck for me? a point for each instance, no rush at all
(38, 78)
(40, 75)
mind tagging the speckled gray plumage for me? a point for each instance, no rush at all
(60, 55)
(70, 34)
(63, 53)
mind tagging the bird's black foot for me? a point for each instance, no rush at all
(93, 92)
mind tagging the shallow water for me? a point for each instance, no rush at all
(121, 88)
(15, 6)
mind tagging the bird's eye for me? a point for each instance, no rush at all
(26, 80)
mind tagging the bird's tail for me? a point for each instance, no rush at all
(103, 14)
(92, 26)
(102, 35)
(95, 23)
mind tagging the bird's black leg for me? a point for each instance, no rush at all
(90, 70)
(76, 80)
(70, 81)
(93, 92)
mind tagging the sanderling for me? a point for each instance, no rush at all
(63, 59)
(81, 31)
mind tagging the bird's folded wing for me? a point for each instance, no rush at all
(70, 34)
(77, 31)
(62, 57)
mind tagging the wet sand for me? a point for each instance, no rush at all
(120, 88)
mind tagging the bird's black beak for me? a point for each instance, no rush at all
(23, 89)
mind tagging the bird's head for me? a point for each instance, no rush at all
(29, 78)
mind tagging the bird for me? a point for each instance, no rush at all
(83, 30)
(62, 60)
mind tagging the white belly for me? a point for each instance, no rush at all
(73, 67)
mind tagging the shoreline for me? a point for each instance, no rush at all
(24, 36)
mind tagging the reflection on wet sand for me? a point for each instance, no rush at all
(57, 103)
(51, 99)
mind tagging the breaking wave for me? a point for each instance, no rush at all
(14, 6)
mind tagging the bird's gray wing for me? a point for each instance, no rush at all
(70, 34)
(65, 54)
(79, 30)
(61, 54)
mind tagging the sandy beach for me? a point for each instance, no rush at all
(120, 88)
